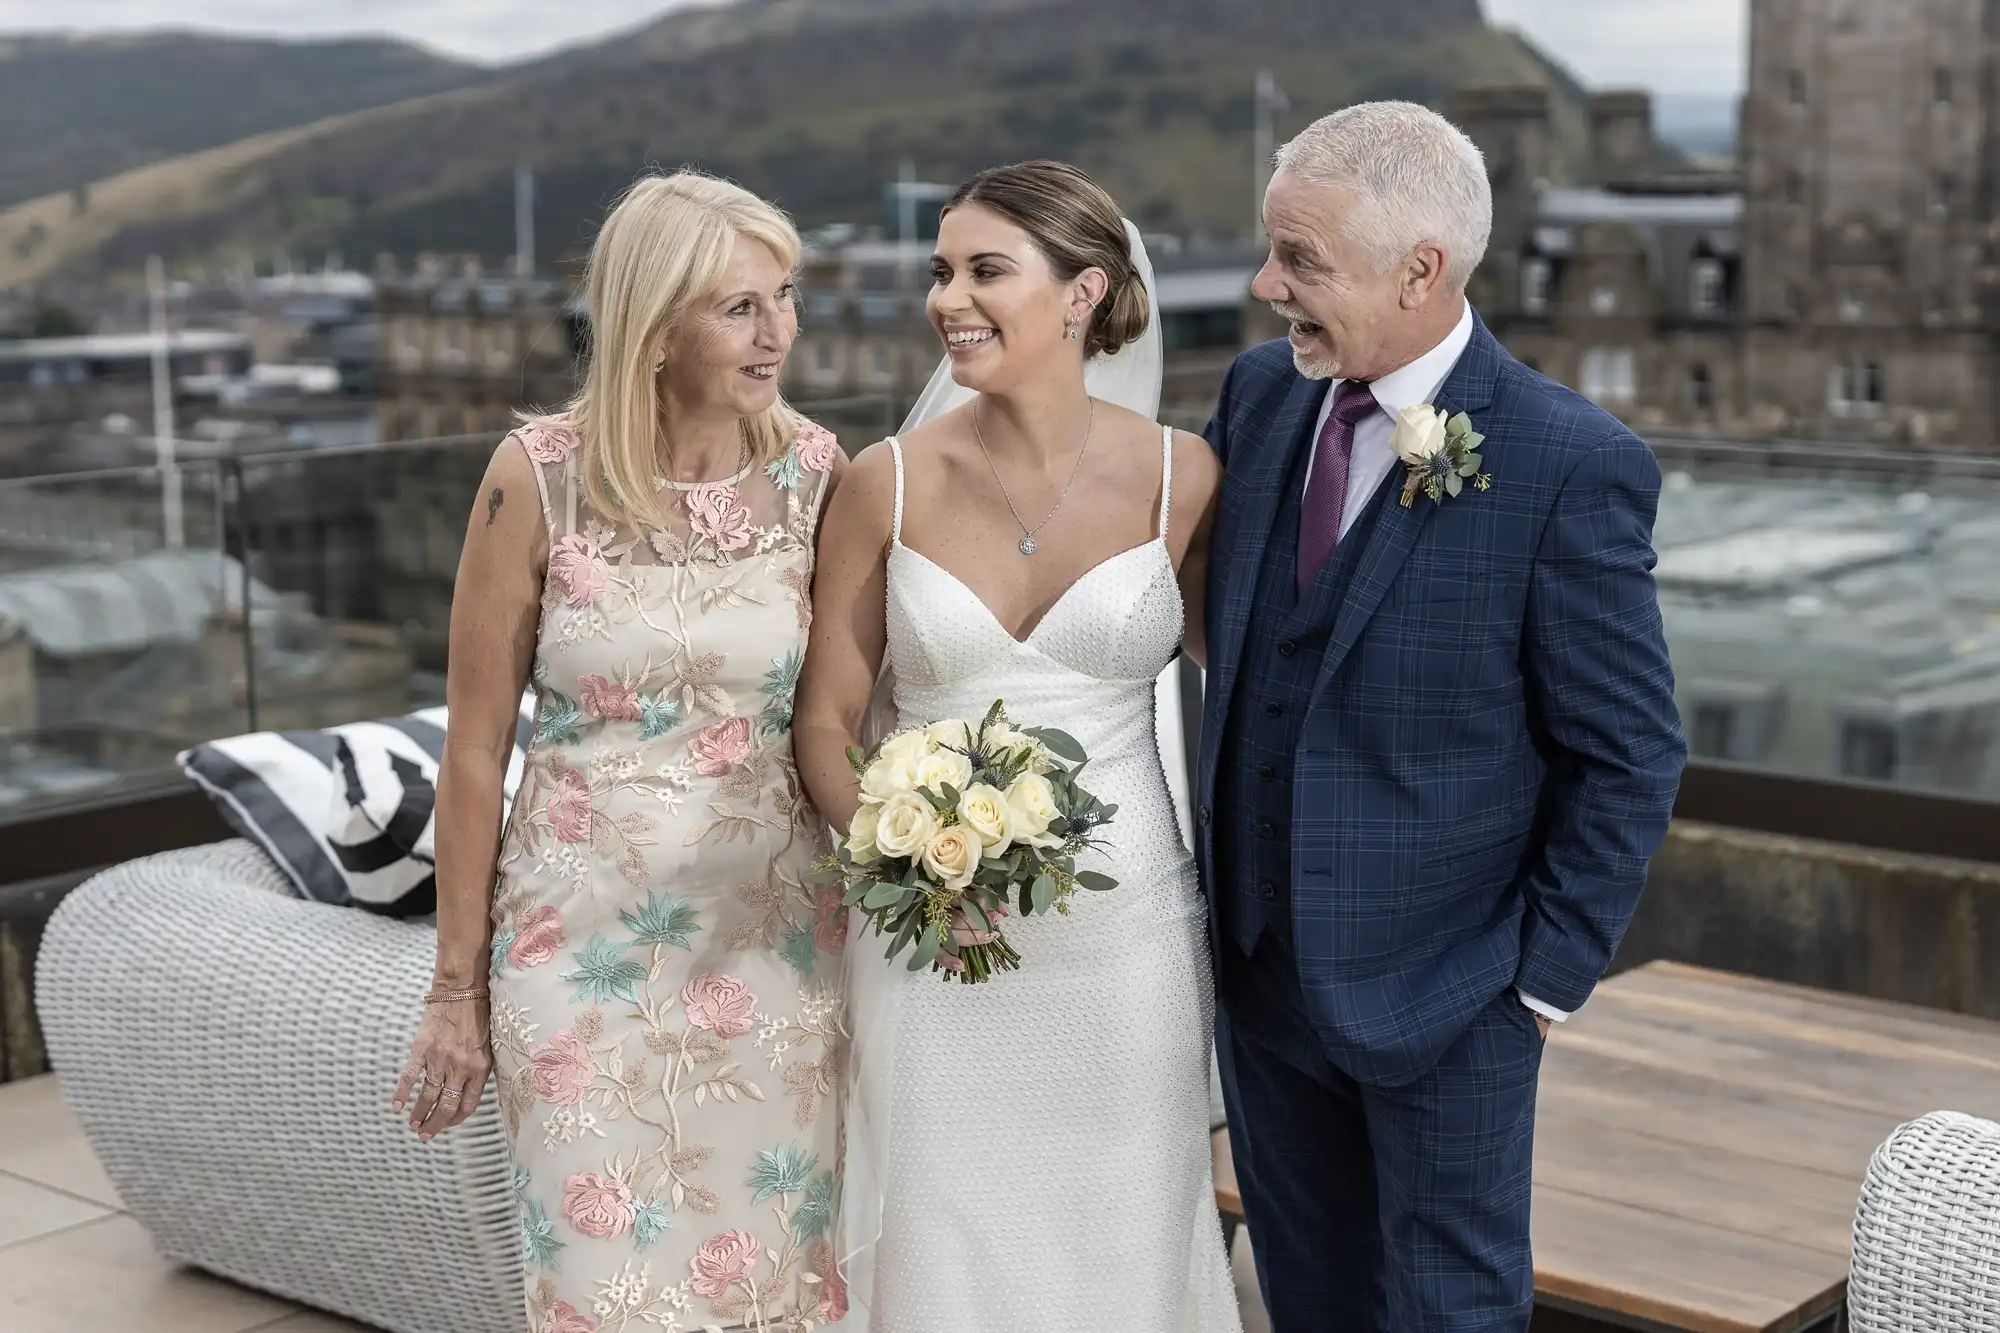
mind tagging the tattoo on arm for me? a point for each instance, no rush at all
(493, 503)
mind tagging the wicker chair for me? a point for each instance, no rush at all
(1927, 1234)
(230, 1051)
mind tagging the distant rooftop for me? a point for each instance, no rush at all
(115, 346)
(1577, 206)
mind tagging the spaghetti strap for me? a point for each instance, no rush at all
(541, 482)
(896, 452)
(1166, 478)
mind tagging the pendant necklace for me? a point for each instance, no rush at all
(1027, 542)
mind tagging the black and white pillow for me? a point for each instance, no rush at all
(347, 812)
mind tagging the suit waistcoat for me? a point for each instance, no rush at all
(1282, 654)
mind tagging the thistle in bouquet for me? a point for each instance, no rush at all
(961, 824)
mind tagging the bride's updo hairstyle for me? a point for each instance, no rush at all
(1076, 226)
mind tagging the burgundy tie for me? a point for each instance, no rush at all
(1326, 493)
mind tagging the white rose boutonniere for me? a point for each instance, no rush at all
(1440, 453)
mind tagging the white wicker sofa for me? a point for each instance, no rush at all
(231, 1050)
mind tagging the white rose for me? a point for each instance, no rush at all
(861, 832)
(952, 857)
(983, 809)
(1032, 803)
(895, 768)
(905, 825)
(1419, 433)
(949, 732)
(939, 767)
(1000, 739)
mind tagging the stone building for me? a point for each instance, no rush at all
(461, 350)
(1834, 289)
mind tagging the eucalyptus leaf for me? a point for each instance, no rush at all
(1095, 881)
(927, 949)
(1044, 893)
(854, 895)
(1458, 425)
(1060, 743)
(1474, 439)
(883, 895)
(907, 932)
(975, 916)
(1453, 484)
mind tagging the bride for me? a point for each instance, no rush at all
(1031, 1153)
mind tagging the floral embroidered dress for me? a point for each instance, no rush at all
(666, 1008)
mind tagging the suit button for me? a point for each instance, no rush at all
(1274, 709)
(1266, 772)
(1287, 648)
(1265, 831)
(1267, 890)
(1201, 816)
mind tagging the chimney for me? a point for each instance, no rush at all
(1621, 137)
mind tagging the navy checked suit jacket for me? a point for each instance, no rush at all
(1492, 750)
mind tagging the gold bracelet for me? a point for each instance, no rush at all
(452, 996)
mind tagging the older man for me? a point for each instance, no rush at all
(1440, 739)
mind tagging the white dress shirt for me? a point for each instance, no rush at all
(1372, 460)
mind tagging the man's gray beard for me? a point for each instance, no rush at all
(1314, 370)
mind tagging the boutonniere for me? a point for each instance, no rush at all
(1441, 454)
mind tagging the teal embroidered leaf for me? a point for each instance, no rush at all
(538, 1238)
(559, 720)
(503, 940)
(667, 920)
(800, 949)
(784, 472)
(650, 1221)
(657, 717)
(521, 1182)
(781, 1171)
(603, 975)
(814, 1214)
(781, 682)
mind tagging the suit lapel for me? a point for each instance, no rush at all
(1468, 389)
(1264, 479)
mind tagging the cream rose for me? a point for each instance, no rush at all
(1031, 801)
(861, 831)
(1419, 433)
(905, 825)
(983, 809)
(949, 732)
(953, 856)
(895, 768)
(939, 767)
(1001, 738)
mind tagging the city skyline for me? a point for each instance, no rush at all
(1673, 46)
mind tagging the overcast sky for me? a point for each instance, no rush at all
(1679, 46)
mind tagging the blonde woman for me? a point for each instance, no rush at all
(664, 1008)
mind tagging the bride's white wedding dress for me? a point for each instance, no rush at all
(1044, 1162)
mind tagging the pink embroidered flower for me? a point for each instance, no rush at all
(598, 1205)
(719, 1003)
(578, 565)
(562, 1069)
(830, 930)
(565, 1318)
(569, 808)
(832, 1299)
(721, 747)
(722, 1262)
(547, 443)
(719, 514)
(538, 937)
(610, 700)
(816, 447)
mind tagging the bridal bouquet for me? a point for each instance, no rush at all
(963, 820)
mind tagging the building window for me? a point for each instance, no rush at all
(1608, 375)
(885, 361)
(1706, 288)
(823, 357)
(1716, 731)
(1941, 86)
(1701, 393)
(1535, 286)
(1856, 387)
(1795, 188)
(1868, 750)
(1215, 329)
(1871, 383)
(1944, 186)
(1604, 301)
(1795, 87)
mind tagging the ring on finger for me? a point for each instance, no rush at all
(450, 1095)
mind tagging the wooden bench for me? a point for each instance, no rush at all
(1700, 1142)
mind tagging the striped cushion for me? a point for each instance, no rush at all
(347, 812)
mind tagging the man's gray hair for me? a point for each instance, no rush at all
(1416, 177)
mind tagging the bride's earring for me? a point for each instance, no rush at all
(1070, 324)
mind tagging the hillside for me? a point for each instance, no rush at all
(77, 109)
(814, 102)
